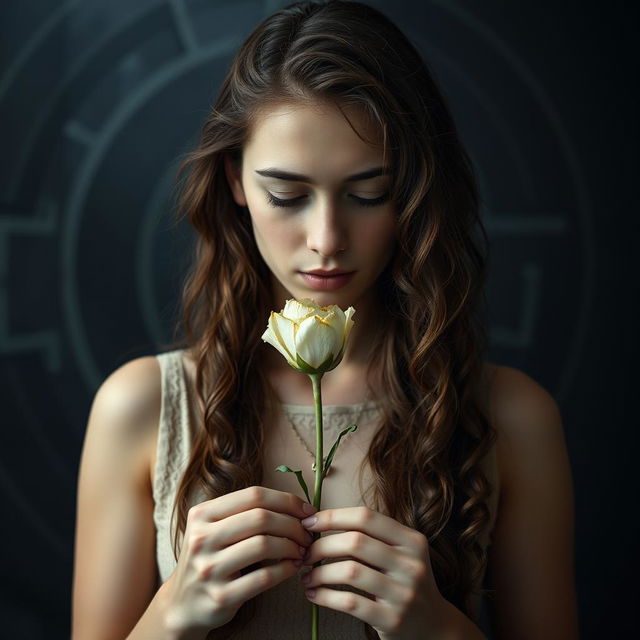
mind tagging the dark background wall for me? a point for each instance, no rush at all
(97, 101)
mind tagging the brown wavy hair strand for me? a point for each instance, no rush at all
(426, 457)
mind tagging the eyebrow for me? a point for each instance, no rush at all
(297, 177)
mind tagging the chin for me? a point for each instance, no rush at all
(344, 297)
(325, 298)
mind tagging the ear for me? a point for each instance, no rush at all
(233, 174)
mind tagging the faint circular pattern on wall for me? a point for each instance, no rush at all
(93, 264)
(536, 206)
(96, 109)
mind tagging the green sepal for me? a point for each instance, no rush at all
(344, 432)
(303, 484)
(308, 369)
(336, 360)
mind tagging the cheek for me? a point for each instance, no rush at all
(272, 235)
(378, 239)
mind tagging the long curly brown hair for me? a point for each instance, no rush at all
(425, 458)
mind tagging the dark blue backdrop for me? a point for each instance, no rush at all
(98, 100)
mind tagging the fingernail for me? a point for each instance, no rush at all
(309, 522)
(310, 593)
(308, 508)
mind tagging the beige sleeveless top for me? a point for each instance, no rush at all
(282, 611)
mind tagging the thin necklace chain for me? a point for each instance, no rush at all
(304, 444)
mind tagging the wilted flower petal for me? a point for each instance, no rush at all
(316, 340)
(298, 310)
(348, 323)
(337, 324)
(280, 334)
(312, 338)
(285, 331)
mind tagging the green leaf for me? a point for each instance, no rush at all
(303, 484)
(334, 448)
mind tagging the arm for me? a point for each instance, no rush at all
(531, 559)
(114, 564)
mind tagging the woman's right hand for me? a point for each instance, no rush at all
(222, 537)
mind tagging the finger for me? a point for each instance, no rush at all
(352, 573)
(378, 614)
(249, 498)
(259, 520)
(251, 584)
(375, 524)
(250, 523)
(358, 545)
(250, 551)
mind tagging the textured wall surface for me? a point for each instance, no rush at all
(97, 102)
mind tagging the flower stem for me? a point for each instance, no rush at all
(317, 398)
(317, 494)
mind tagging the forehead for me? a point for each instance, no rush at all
(313, 135)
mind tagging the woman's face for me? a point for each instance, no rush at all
(330, 226)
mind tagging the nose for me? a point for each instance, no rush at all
(326, 232)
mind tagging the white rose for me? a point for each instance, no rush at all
(312, 338)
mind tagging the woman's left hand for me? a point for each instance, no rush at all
(390, 561)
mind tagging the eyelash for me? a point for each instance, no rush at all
(277, 202)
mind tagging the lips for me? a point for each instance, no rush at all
(326, 280)
(328, 274)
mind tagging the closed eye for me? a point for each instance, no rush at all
(365, 202)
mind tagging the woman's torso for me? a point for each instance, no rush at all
(341, 404)
(283, 446)
(341, 487)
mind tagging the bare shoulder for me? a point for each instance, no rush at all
(524, 413)
(531, 556)
(114, 561)
(128, 403)
(512, 391)
(133, 388)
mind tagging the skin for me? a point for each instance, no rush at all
(387, 559)
(531, 556)
(530, 561)
(328, 229)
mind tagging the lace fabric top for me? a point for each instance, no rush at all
(285, 604)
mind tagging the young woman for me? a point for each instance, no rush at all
(329, 149)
